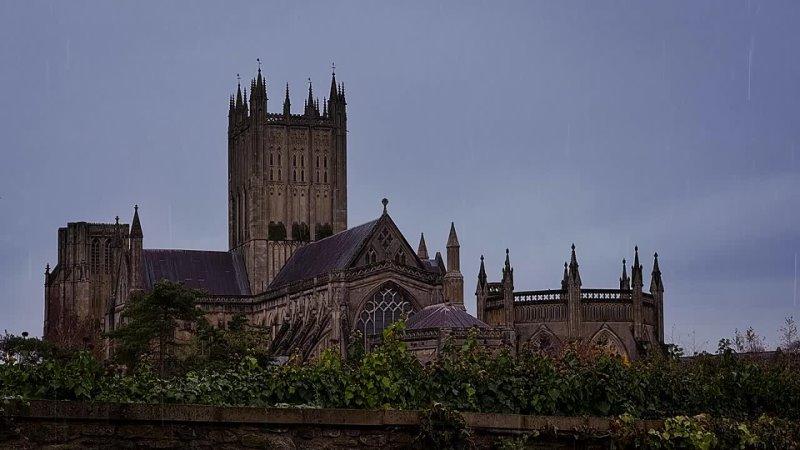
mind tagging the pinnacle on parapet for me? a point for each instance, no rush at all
(47, 269)
(656, 283)
(574, 273)
(482, 274)
(422, 249)
(508, 271)
(636, 269)
(136, 226)
(452, 239)
(565, 278)
(624, 281)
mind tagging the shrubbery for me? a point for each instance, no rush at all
(576, 382)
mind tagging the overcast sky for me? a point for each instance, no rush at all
(532, 125)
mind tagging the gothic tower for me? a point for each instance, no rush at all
(287, 176)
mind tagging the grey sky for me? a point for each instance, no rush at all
(532, 125)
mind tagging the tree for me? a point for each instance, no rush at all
(150, 324)
(788, 331)
(748, 342)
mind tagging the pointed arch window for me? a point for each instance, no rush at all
(325, 160)
(270, 158)
(302, 160)
(387, 306)
(400, 258)
(107, 256)
(372, 256)
(325, 176)
(317, 161)
(302, 175)
(318, 176)
(95, 256)
(294, 160)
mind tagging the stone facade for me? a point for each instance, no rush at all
(79, 287)
(628, 320)
(293, 265)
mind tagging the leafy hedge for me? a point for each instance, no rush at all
(574, 383)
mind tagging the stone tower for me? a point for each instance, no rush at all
(453, 280)
(287, 176)
(79, 287)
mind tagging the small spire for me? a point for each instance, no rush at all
(238, 91)
(324, 106)
(452, 239)
(422, 249)
(47, 269)
(624, 281)
(656, 284)
(136, 226)
(574, 273)
(482, 274)
(334, 91)
(310, 93)
(287, 104)
(565, 279)
(636, 269)
(385, 202)
(508, 271)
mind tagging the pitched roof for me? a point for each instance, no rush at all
(443, 315)
(218, 273)
(323, 256)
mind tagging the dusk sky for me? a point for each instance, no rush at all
(674, 126)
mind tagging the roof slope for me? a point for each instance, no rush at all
(218, 273)
(443, 315)
(320, 257)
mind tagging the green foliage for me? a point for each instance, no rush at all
(443, 428)
(150, 322)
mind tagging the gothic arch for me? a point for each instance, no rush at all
(543, 339)
(607, 338)
(383, 306)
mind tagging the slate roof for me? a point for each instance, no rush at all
(323, 256)
(218, 273)
(431, 265)
(443, 315)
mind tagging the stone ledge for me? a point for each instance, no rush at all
(163, 413)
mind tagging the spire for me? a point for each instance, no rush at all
(333, 82)
(136, 226)
(47, 270)
(422, 250)
(238, 92)
(452, 239)
(636, 269)
(655, 279)
(565, 279)
(260, 81)
(508, 271)
(574, 274)
(287, 104)
(482, 274)
(324, 106)
(624, 281)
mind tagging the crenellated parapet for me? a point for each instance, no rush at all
(629, 318)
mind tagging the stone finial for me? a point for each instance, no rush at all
(385, 203)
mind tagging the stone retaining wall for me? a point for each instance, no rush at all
(93, 425)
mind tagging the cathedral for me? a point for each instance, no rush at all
(294, 266)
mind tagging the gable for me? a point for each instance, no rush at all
(386, 243)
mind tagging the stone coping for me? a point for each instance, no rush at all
(141, 412)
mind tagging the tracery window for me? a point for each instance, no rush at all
(400, 257)
(387, 306)
(95, 256)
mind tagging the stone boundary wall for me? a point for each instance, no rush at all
(95, 425)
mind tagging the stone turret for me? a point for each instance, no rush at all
(508, 292)
(482, 291)
(657, 289)
(573, 286)
(453, 280)
(637, 297)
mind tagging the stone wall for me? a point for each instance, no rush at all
(94, 425)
